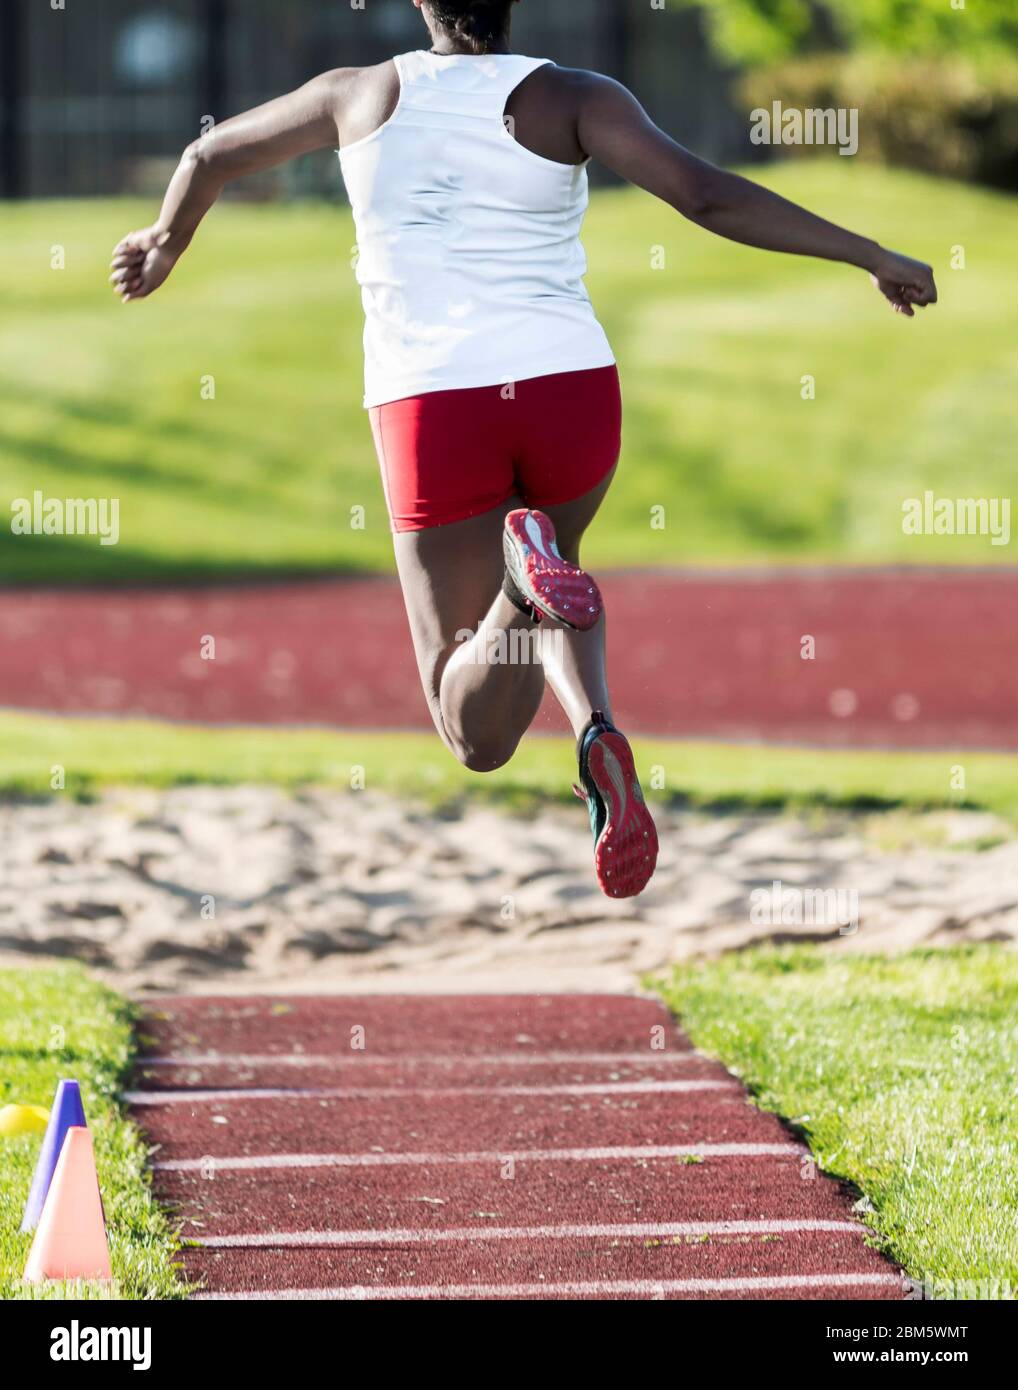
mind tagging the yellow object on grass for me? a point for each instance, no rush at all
(23, 1119)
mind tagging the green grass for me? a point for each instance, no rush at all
(59, 1023)
(899, 1070)
(103, 753)
(101, 400)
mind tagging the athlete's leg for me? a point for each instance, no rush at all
(570, 438)
(469, 638)
(571, 448)
(574, 662)
(625, 840)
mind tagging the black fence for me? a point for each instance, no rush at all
(96, 96)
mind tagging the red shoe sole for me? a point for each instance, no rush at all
(560, 590)
(626, 852)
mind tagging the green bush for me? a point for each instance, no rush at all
(766, 31)
(942, 116)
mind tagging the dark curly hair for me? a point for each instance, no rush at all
(479, 21)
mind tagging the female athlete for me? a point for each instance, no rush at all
(492, 390)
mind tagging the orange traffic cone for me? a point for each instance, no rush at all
(70, 1242)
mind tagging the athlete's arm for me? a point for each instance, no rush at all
(613, 127)
(292, 125)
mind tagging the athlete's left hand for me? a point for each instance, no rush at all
(906, 284)
(142, 261)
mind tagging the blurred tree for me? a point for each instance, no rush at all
(764, 31)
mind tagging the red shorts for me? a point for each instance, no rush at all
(450, 455)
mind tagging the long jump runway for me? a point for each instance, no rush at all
(511, 1147)
(907, 658)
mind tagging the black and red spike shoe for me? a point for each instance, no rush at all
(537, 573)
(625, 838)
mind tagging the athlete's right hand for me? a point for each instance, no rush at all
(904, 282)
(141, 263)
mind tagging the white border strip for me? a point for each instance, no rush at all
(644, 1231)
(645, 1288)
(604, 1088)
(442, 1059)
(211, 1164)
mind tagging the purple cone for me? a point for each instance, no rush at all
(67, 1111)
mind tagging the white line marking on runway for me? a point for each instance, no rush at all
(646, 1288)
(606, 1088)
(381, 1160)
(444, 1059)
(644, 1231)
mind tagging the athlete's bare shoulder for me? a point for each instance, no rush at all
(577, 87)
(363, 98)
(549, 109)
(543, 111)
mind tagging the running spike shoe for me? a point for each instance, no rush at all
(625, 840)
(552, 586)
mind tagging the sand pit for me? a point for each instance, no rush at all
(254, 889)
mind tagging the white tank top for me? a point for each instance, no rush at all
(469, 254)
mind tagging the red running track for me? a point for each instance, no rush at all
(518, 1147)
(906, 658)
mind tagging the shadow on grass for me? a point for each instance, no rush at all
(69, 562)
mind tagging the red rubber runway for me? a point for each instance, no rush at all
(906, 658)
(454, 1148)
